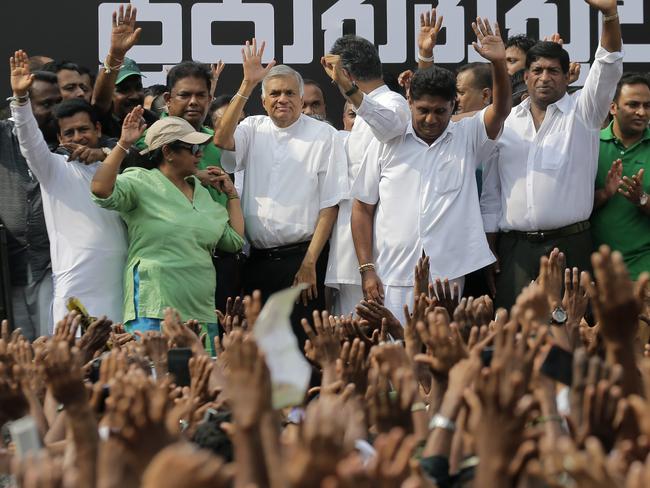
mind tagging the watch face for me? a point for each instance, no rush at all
(643, 200)
(559, 315)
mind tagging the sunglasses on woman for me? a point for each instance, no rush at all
(193, 148)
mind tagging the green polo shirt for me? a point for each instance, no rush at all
(170, 242)
(619, 223)
(211, 157)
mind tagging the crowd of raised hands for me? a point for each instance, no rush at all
(454, 394)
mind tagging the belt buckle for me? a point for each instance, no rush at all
(535, 236)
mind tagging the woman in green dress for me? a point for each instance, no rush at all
(173, 223)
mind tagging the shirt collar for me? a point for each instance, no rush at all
(378, 91)
(563, 105)
(449, 131)
(607, 134)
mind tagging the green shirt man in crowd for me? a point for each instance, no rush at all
(621, 217)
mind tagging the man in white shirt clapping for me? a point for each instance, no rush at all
(418, 191)
(295, 176)
(547, 161)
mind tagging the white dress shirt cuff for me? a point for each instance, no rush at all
(604, 56)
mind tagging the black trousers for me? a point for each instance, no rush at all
(229, 277)
(519, 260)
(274, 273)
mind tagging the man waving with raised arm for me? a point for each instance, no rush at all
(418, 191)
(548, 160)
(295, 176)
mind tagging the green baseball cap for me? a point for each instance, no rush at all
(129, 68)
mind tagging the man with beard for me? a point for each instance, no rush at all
(621, 217)
(21, 212)
(87, 244)
(118, 88)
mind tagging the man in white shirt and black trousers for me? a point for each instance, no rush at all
(418, 191)
(295, 176)
(547, 162)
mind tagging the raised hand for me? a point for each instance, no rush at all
(421, 281)
(66, 329)
(249, 382)
(574, 72)
(332, 65)
(254, 72)
(132, 127)
(323, 346)
(388, 410)
(430, 25)
(216, 69)
(376, 315)
(490, 44)
(124, 35)
(179, 333)
(373, 288)
(447, 296)
(632, 187)
(551, 273)
(252, 308)
(614, 178)
(607, 7)
(63, 374)
(576, 299)
(445, 346)
(95, 338)
(21, 78)
(352, 367)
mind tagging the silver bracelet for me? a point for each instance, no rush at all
(117, 144)
(19, 100)
(442, 422)
(425, 60)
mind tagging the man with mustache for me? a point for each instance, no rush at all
(621, 217)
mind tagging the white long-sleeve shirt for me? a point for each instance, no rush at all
(88, 244)
(383, 115)
(546, 176)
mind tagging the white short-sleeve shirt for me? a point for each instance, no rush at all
(427, 199)
(291, 174)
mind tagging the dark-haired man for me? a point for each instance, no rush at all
(621, 217)
(473, 87)
(313, 101)
(516, 49)
(418, 191)
(72, 82)
(354, 65)
(87, 243)
(21, 212)
(548, 158)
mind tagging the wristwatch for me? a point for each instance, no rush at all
(643, 201)
(559, 316)
(106, 151)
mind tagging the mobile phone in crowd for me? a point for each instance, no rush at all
(178, 365)
(24, 434)
(558, 365)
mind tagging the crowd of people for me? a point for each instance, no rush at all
(472, 252)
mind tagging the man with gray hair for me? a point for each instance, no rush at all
(295, 176)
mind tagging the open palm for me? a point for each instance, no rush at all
(252, 62)
(21, 78)
(490, 44)
(124, 35)
(430, 25)
(603, 5)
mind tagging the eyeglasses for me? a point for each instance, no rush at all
(193, 148)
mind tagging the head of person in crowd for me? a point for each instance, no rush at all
(151, 93)
(313, 100)
(36, 63)
(516, 49)
(188, 92)
(77, 122)
(175, 143)
(72, 81)
(519, 88)
(547, 73)
(45, 95)
(631, 106)
(359, 58)
(129, 92)
(218, 108)
(282, 92)
(473, 87)
(349, 115)
(432, 96)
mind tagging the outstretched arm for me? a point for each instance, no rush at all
(611, 37)
(490, 45)
(124, 35)
(254, 73)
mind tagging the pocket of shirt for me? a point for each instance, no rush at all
(448, 176)
(554, 151)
